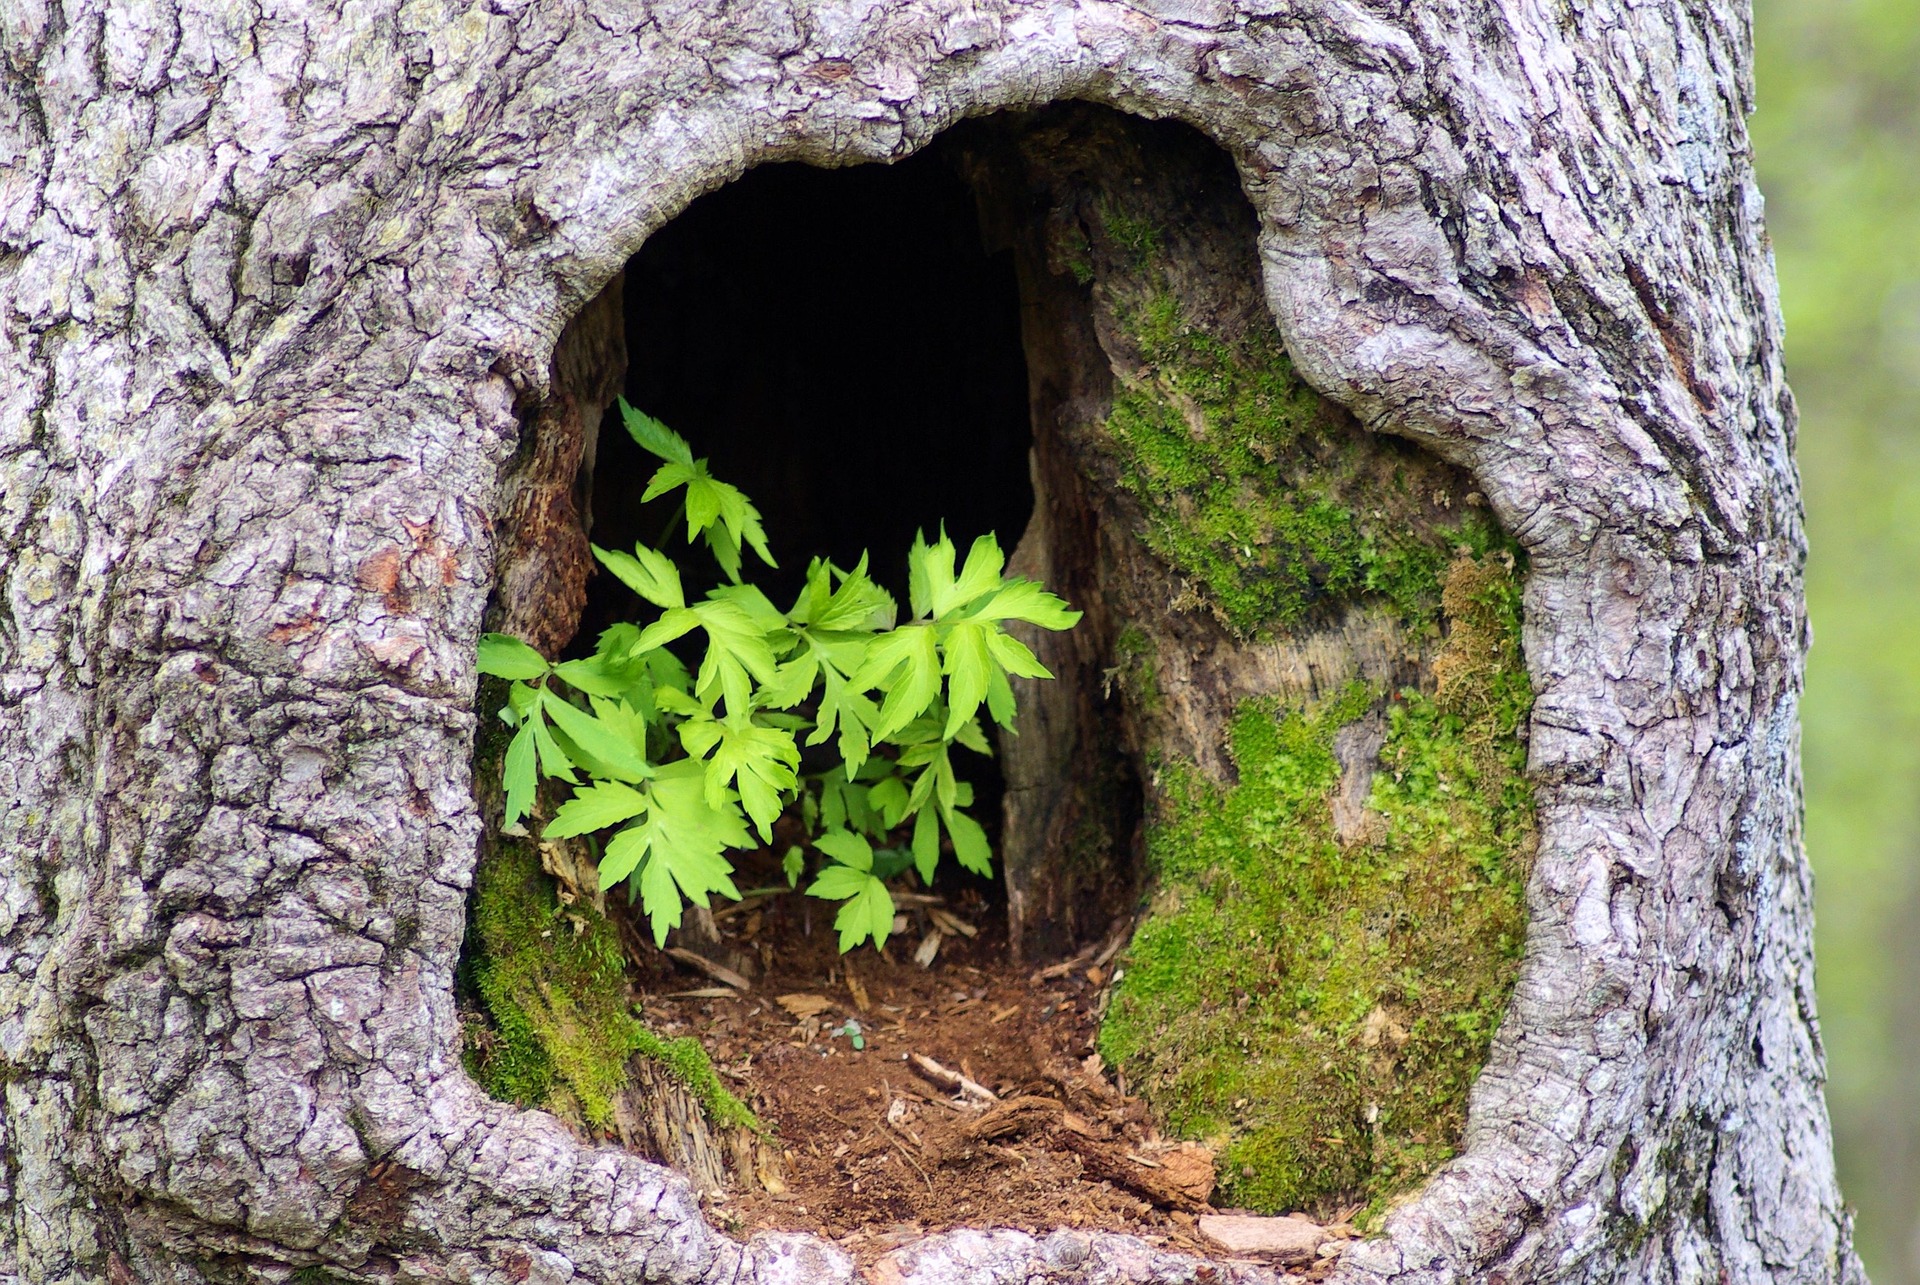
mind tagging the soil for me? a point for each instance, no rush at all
(878, 1145)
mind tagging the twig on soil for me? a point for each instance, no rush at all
(955, 1080)
(719, 972)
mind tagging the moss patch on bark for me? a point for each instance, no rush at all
(1317, 1006)
(1269, 501)
(555, 1028)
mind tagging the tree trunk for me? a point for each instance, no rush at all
(283, 291)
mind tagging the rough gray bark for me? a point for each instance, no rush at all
(275, 281)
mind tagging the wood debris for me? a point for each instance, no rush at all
(962, 1084)
(719, 972)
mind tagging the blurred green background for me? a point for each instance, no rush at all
(1837, 137)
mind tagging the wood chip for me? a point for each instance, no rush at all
(859, 992)
(719, 972)
(952, 924)
(929, 947)
(1003, 1014)
(954, 1080)
(804, 1005)
(1289, 1239)
(705, 992)
(1014, 1117)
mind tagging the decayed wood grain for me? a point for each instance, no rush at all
(274, 281)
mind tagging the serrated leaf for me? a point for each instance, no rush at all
(505, 656)
(624, 851)
(647, 572)
(969, 667)
(553, 760)
(868, 910)
(1021, 599)
(676, 622)
(929, 573)
(970, 735)
(847, 848)
(594, 675)
(837, 881)
(868, 915)
(596, 807)
(1013, 656)
(1000, 701)
(659, 898)
(682, 839)
(519, 775)
(906, 662)
(926, 844)
(703, 503)
(653, 436)
(889, 798)
(970, 846)
(606, 745)
(980, 576)
(858, 604)
(761, 762)
(793, 865)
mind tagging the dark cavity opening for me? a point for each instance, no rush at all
(843, 348)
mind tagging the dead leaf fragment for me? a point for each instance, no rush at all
(803, 1005)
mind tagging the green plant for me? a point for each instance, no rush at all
(683, 765)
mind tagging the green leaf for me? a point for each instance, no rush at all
(858, 604)
(847, 848)
(1013, 656)
(891, 862)
(597, 807)
(868, 911)
(1022, 599)
(649, 573)
(505, 656)
(623, 852)
(594, 675)
(929, 574)
(981, 575)
(889, 797)
(653, 436)
(926, 844)
(794, 864)
(970, 844)
(761, 761)
(844, 706)
(673, 623)
(1000, 701)
(969, 666)
(970, 735)
(679, 843)
(906, 662)
(607, 746)
(519, 775)
(553, 760)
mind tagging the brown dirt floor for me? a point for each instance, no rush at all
(875, 1150)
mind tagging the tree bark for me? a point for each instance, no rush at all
(275, 282)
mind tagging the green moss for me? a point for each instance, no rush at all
(1137, 667)
(686, 1060)
(1254, 490)
(552, 981)
(1318, 1009)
